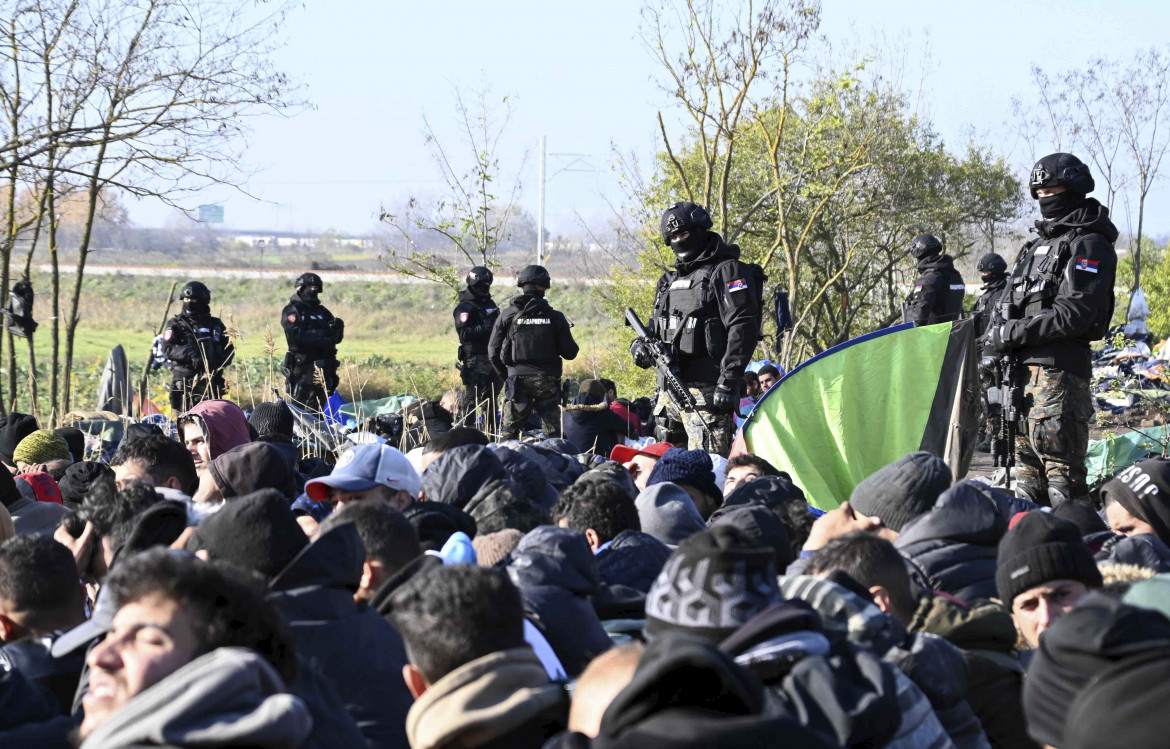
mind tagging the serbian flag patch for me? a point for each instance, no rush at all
(1085, 264)
(292, 318)
(737, 285)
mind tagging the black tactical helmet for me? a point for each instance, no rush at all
(1058, 169)
(925, 245)
(480, 275)
(309, 279)
(684, 216)
(991, 264)
(534, 274)
(196, 292)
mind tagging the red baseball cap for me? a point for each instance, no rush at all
(625, 453)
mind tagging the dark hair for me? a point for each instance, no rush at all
(228, 603)
(38, 579)
(456, 437)
(106, 507)
(870, 560)
(389, 537)
(601, 505)
(451, 616)
(749, 377)
(768, 369)
(608, 385)
(162, 458)
(799, 522)
(755, 461)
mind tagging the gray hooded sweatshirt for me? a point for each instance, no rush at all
(228, 697)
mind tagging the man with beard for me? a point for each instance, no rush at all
(312, 333)
(707, 315)
(1059, 299)
(475, 315)
(199, 349)
(938, 292)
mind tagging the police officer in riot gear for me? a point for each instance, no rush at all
(1058, 299)
(993, 270)
(198, 348)
(475, 315)
(312, 333)
(707, 313)
(938, 292)
(527, 344)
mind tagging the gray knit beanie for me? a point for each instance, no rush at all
(902, 490)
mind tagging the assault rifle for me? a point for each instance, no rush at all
(1003, 442)
(668, 372)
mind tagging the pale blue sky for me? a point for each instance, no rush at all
(580, 75)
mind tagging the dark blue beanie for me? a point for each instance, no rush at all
(692, 467)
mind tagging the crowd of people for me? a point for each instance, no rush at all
(215, 587)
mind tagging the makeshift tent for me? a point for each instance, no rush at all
(848, 411)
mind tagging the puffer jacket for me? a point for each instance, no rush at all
(556, 574)
(474, 479)
(632, 559)
(933, 665)
(986, 635)
(956, 543)
(591, 426)
(1143, 550)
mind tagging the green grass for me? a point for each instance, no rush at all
(398, 337)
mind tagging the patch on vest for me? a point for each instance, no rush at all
(958, 287)
(292, 318)
(1087, 265)
(738, 284)
(682, 283)
(463, 316)
(534, 321)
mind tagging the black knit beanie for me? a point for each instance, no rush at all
(903, 490)
(257, 531)
(1041, 549)
(713, 583)
(272, 418)
(1123, 706)
(1099, 633)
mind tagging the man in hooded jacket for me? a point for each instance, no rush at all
(707, 315)
(475, 315)
(938, 292)
(199, 349)
(1058, 300)
(312, 333)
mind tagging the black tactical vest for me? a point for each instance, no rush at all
(533, 334)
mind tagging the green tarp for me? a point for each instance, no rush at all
(1108, 456)
(847, 412)
(361, 410)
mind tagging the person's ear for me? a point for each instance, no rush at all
(174, 483)
(881, 597)
(367, 582)
(593, 539)
(414, 681)
(10, 631)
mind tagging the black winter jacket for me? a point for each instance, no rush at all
(472, 478)
(956, 543)
(556, 574)
(353, 647)
(57, 676)
(475, 315)
(592, 427)
(633, 559)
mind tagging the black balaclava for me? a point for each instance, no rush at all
(192, 307)
(1060, 205)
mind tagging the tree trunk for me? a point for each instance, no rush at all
(1137, 248)
(55, 334)
(82, 253)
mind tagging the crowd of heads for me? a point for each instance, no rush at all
(217, 586)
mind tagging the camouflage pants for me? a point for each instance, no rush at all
(483, 388)
(722, 425)
(1054, 435)
(539, 393)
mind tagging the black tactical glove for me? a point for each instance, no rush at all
(337, 327)
(640, 348)
(998, 338)
(724, 399)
